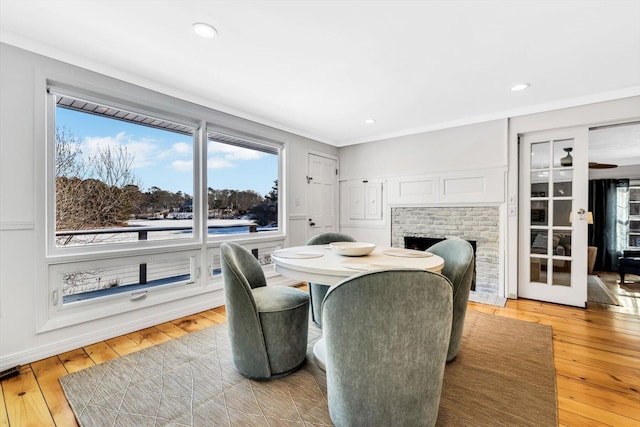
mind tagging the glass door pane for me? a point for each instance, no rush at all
(550, 217)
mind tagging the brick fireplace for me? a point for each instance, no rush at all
(479, 224)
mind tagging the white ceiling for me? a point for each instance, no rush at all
(320, 68)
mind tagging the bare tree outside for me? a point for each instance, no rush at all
(92, 191)
(68, 154)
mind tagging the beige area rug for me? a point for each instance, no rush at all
(598, 292)
(503, 376)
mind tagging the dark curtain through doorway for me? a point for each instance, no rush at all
(603, 202)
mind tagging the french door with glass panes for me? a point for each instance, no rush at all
(553, 216)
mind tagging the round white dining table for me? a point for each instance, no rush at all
(320, 264)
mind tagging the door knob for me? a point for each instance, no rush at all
(311, 223)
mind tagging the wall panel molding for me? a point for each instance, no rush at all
(446, 189)
(6, 225)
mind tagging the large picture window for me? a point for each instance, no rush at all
(138, 202)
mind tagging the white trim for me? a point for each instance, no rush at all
(42, 352)
(6, 225)
(297, 217)
(58, 347)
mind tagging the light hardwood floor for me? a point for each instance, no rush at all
(596, 353)
(628, 294)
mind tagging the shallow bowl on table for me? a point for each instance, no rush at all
(352, 248)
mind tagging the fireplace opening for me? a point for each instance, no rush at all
(424, 243)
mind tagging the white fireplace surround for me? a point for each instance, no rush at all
(470, 223)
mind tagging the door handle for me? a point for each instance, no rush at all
(311, 223)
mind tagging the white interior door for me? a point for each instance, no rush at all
(553, 216)
(322, 181)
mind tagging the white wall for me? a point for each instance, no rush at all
(21, 128)
(477, 146)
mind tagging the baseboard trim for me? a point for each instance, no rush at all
(34, 354)
(31, 355)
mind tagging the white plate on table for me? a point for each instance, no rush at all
(407, 253)
(352, 248)
(358, 267)
(284, 253)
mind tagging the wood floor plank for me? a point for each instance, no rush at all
(599, 377)
(4, 420)
(153, 335)
(596, 414)
(171, 330)
(221, 310)
(26, 405)
(135, 341)
(76, 360)
(596, 317)
(588, 344)
(581, 317)
(619, 339)
(571, 419)
(100, 352)
(598, 397)
(482, 308)
(617, 363)
(194, 323)
(212, 315)
(48, 373)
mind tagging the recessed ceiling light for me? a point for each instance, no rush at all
(204, 30)
(520, 86)
(370, 121)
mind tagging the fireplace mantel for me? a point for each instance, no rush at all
(484, 186)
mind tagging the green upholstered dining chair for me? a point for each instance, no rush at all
(386, 336)
(459, 264)
(317, 291)
(268, 325)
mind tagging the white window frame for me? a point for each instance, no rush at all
(633, 184)
(52, 249)
(51, 314)
(250, 140)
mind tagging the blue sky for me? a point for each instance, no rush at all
(165, 159)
